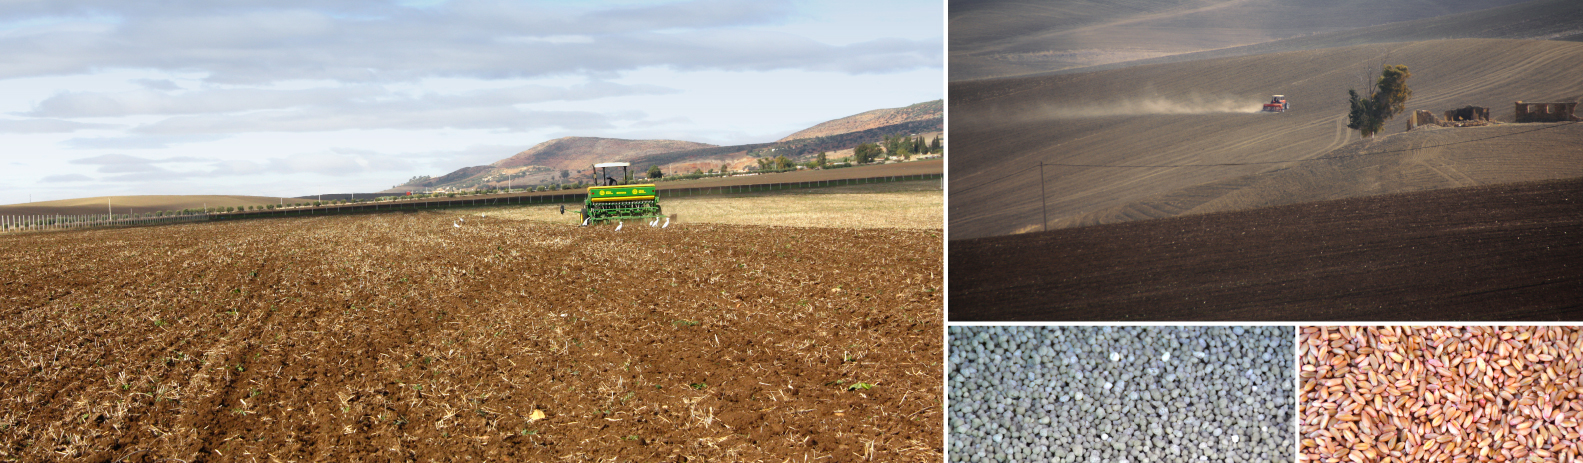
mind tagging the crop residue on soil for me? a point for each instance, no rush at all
(400, 336)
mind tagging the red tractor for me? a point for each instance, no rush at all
(1277, 104)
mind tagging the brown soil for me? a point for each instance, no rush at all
(1000, 38)
(1498, 252)
(1426, 158)
(1164, 115)
(402, 337)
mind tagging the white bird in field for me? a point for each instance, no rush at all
(461, 219)
(654, 223)
(619, 224)
(457, 225)
(667, 223)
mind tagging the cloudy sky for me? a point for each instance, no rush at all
(295, 97)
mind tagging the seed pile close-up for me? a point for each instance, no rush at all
(1456, 394)
(1120, 394)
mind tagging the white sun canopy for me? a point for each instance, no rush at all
(612, 164)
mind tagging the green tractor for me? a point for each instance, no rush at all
(612, 202)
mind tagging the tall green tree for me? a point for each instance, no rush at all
(1387, 99)
(934, 146)
(822, 161)
(654, 171)
(866, 153)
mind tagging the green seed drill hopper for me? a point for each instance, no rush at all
(619, 202)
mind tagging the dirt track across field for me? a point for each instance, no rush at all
(402, 336)
(1496, 252)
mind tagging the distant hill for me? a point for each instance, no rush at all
(543, 163)
(581, 152)
(799, 148)
(873, 119)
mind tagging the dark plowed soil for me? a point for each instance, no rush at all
(1499, 252)
(402, 337)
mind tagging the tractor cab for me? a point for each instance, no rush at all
(602, 176)
(1277, 104)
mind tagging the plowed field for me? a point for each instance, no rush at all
(1495, 252)
(402, 337)
(1196, 153)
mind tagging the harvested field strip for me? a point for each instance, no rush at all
(570, 196)
(1450, 393)
(403, 337)
(914, 205)
(1496, 252)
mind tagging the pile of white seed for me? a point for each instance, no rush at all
(1121, 394)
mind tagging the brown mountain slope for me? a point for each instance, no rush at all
(542, 163)
(139, 204)
(581, 152)
(1533, 20)
(1493, 252)
(1198, 112)
(998, 38)
(872, 119)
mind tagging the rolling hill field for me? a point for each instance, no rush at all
(1004, 38)
(1171, 118)
(1532, 20)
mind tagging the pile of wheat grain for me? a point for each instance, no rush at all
(1456, 394)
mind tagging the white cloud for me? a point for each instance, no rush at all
(341, 163)
(276, 96)
(226, 111)
(328, 119)
(464, 38)
(102, 104)
(137, 142)
(48, 126)
(67, 178)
